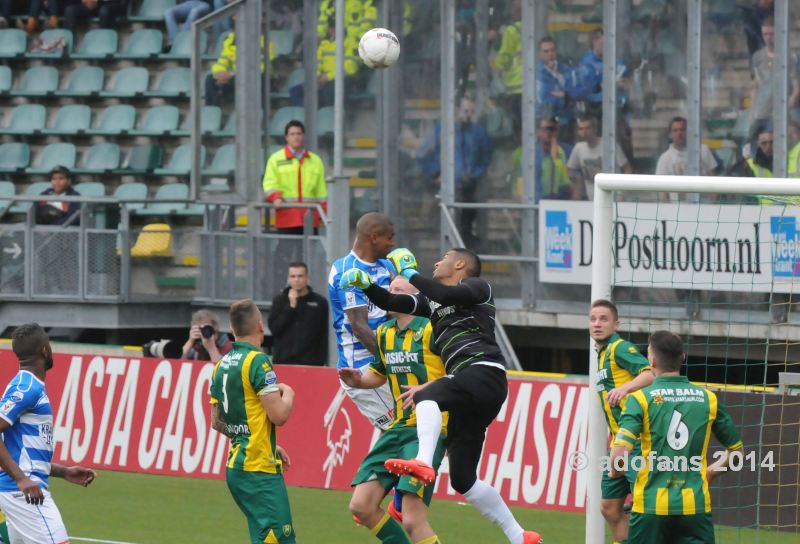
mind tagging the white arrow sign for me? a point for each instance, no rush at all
(15, 251)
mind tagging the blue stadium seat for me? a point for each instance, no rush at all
(58, 154)
(283, 41)
(13, 43)
(71, 119)
(297, 77)
(152, 11)
(283, 116)
(26, 119)
(168, 191)
(98, 43)
(5, 79)
(132, 191)
(53, 34)
(100, 159)
(7, 189)
(38, 81)
(158, 121)
(129, 82)
(34, 189)
(174, 82)
(229, 130)
(116, 119)
(14, 157)
(142, 44)
(91, 189)
(224, 162)
(210, 121)
(143, 159)
(180, 164)
(83, 81)
(325, 121)
(182, 46)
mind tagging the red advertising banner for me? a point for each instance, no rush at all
(150, 415)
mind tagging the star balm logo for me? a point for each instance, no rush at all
(558, 240)
(785, 247)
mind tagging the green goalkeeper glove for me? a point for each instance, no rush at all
(355, 278)
(404, 262)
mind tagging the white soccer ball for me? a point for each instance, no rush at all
(379, 48)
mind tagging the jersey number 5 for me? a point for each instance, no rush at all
(678, 433)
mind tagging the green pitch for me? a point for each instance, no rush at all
(142, 509)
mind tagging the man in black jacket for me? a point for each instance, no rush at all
(298, 321)
(58, 213)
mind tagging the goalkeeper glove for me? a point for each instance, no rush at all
(355, 278)
(404, 262)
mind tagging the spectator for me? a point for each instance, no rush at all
(555, 84)
(189, 11)
(54, 212)
(35, 8)
(107, 10)
(675, 160)
(359, 17)
(552, 178)
(219, 85)
(298, 321)
(762, 86)
(508, 61)
(753, 16)
(760, 164)
(473, 156)
(206, 342)
(586, 159)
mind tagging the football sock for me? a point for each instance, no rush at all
(389, 531)
(430, 540)
(429, 427)
(489, 503)
(3, 529)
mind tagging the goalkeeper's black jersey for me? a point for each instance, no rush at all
(463, 318)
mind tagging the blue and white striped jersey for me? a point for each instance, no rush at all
(351, 352)
(29, 441)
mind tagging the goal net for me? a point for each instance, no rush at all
(716, 260)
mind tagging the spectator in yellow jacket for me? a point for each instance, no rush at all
(219, 83)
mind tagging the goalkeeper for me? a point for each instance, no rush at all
(405, 356)
(461, 309)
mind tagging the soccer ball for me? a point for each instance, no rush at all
(379, 48)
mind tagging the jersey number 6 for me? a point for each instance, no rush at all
(678, 433)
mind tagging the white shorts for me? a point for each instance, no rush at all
(29, 524)
(377, 405)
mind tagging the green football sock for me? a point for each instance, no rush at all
(389, 531)
(3, 529)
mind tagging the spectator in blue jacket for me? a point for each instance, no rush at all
(556, 84)
(473, 155)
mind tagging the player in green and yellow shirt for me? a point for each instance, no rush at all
(405, 357)
(674, 420)
(247, 404)
(621, 369)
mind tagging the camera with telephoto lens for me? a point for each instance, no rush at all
(163, 349)
(207, 331)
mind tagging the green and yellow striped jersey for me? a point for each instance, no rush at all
(674, 420)
(240, 378)
(406, 357)
(618, 362)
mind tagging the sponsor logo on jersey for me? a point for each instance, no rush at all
(7, 406)
(401, 357)
(558, 240)
(350, 298)
(287, 530)
(270, 378)
(785, 247)
(46, 432)
(442, 312)
(17, 396)
(237, 428)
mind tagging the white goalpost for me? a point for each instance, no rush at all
(707, 267)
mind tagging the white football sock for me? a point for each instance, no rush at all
(489, 503)
(429, 427)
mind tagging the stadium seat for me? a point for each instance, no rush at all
(5, 79)
(325, 121)
(132, 191)
(38, 81)
(142, 44)
(26, 119)
(283, 116)
(297, 77)
(91, 189)
(71, 119)
(155, 240)
(58, 154)
(283, 41)
(13, 43)
(49, 35)
(152, 11)
(7, 189)
(116, 119)
(182, 46)
(98, 43)
(173, 82)
(131, 81)
(180, 164)
(214, 55)
(158, 121)
(229, 130)
(210, 121)
(143, 159)
(34, 189)
(83, 81)
(14, 157)
(168, 191)
(224, 162)
(100, 159)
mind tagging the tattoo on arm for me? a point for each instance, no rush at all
(217, 423)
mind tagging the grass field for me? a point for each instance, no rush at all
(142, 509)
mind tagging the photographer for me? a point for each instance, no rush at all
(206, 342)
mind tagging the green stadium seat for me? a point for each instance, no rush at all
(131, 81)
(13, 43)
(180, 164)
(83, 81)
(325, 121)
(98, 43)
(91, 189)
(283, 116)
(71, 119)
(132, 191)
(14, 157)
(7, 189)
(182, 46)
(168, 191)
(38, 81)
(210, 121)
(116, 119)
(53, 34)
(229, 129)
(34, 189)
(283, 41)
(174, 82)
(152, 11)
(58, 154)
(297, 77)
(158, 121)
(224, 162)
(26, 119)
(143, 159)
(100, 159)
(142, 44)
(5, 79)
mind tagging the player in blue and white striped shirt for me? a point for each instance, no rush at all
(26, 450)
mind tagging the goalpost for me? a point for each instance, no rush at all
(742, 258)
